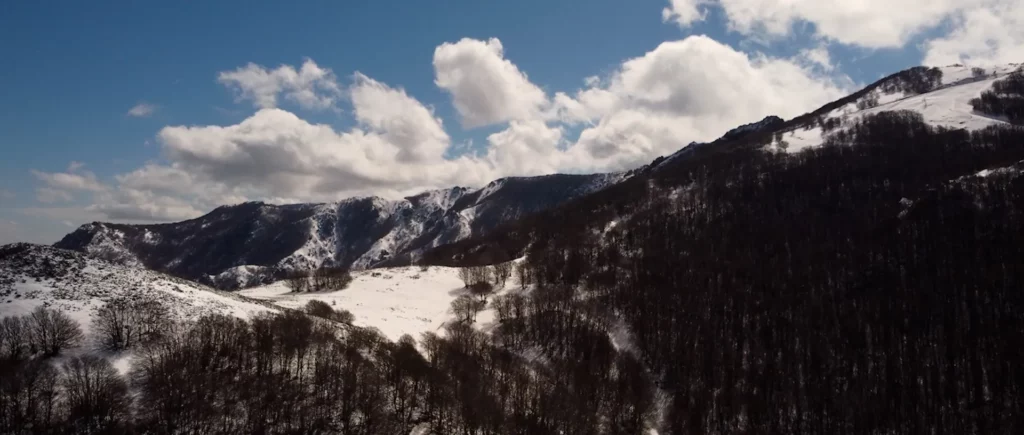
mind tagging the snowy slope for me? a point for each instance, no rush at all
(947, 106)
(397, 300)
(32, 276)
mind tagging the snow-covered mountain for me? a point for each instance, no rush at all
(942, 96)
(32, 276)
(251, 243)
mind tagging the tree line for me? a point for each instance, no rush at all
(323, 278)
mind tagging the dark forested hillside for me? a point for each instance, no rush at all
(551, 369)
(868, 286)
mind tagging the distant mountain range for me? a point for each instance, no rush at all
(251, 243)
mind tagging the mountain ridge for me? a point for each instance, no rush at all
(245, 244)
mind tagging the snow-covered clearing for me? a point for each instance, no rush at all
(397, 301)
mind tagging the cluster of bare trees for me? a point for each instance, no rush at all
(466, 307)
(128, 321)
(474, 275)
(295, 373)
(481, 282)
(44, 331)
(320, 279)
(79, 395)
(322, 310)
(496, 275)
(83, 394)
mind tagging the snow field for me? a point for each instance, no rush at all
(396, 301)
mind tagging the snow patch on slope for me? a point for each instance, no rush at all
(32, 276)
(947, 106)
(320, 244)
(109, 243)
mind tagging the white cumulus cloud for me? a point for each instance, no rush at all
(684, 12)
(403, 122)
(818, 56)
(869, 23)
(74, 179)
(311, 87)
(976, 32)
(692, 89)
(485, 87)
(142, 110)
(988, 35)
(650, 105)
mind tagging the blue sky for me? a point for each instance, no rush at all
(521, 88)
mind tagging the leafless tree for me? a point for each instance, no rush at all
(125, 322)
(474, 274)
(53, 331)
(298, 282)
(466, 307)
(95, 395)
(15, 338)
(523, 274)
(502, 272)
(482, 290)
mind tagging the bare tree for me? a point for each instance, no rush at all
(15, 338)
(344, 316)
(298, 282)
(319, 308)
(466, 275)
(95, 395)
(29, 393)
(481, 289)
(466, 308)
(125, 322)
(523, 274)
(502, 272)
(53, 331)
